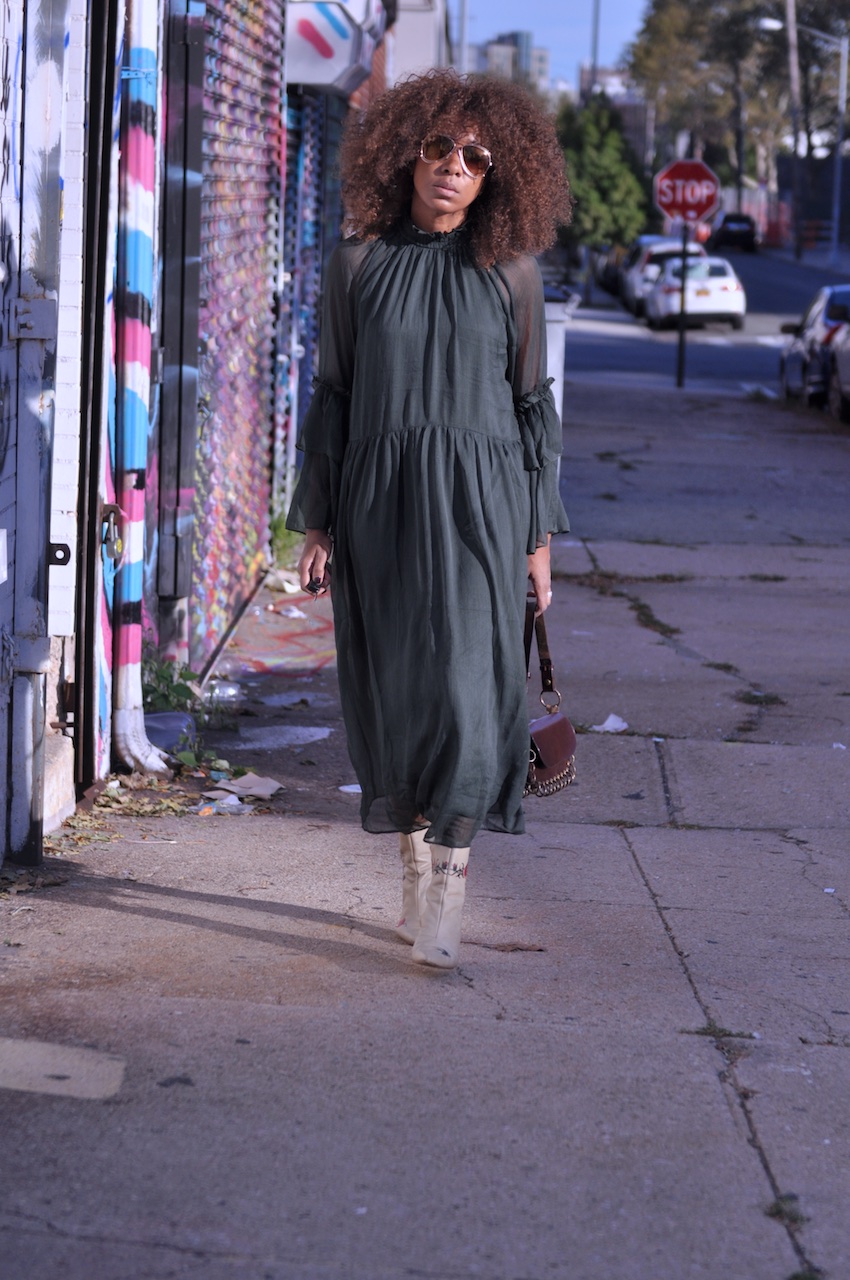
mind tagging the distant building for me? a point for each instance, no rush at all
(512, 55)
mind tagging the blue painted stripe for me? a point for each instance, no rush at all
(135, 427)
(132, 572)
(138, 259)
(334, 21)
(142, 87)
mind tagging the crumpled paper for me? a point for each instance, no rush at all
(613, 724)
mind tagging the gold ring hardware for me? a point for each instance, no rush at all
(551, 707)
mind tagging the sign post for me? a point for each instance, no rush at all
(689, 190)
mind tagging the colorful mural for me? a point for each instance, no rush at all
(241, 208)
(136, 257)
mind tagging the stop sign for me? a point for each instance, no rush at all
(686, 189)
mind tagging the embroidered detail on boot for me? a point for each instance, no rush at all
(450, 869)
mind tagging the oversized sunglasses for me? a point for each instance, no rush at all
(475, 160)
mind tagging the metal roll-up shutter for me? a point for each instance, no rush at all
(241, 211)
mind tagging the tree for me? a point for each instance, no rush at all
(610, 203)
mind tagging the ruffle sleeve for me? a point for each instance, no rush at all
(540, 433)
(324, 431)
(322, 440)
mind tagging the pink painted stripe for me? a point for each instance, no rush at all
(141, 157)
(132, 504)
(129, 645)
(106, 629)
(309, 33)
(136, 337)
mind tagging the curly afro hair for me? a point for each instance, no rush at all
(525, 196)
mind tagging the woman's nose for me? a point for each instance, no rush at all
(451, 163)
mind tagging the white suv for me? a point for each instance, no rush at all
(645, 264)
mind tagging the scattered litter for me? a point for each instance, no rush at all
(250, 784)
(838, 746)
(292, 611)
(361, 1210)
(659, 739)
(613, 724)
(271, 737)
(829, 891)
(351, 789)
(231, 806)
(581, 633)
(223, 691)
(283, 580)
(114, 784)
(170, 730)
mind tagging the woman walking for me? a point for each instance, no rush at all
(430, 468)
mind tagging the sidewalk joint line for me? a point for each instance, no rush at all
(728, 1075)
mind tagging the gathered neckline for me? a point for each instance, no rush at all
(431, 239)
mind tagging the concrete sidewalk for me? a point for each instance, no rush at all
(219, 1062)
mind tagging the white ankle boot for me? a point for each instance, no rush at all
(438, 940)
(416, 876)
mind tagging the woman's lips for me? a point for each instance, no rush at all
(443, 188)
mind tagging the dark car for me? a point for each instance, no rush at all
(733, 231)
(806, 363)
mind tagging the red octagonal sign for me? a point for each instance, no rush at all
(686, 189)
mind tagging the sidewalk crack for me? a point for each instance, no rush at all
(727, 1045)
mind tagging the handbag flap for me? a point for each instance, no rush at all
(554, 739)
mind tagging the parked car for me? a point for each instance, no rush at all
(712, 292)
(733, 231)
(837, 393)
(806, 363)
(650, 260)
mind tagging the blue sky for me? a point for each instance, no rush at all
(562, 26)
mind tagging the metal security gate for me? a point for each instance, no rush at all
(241, 158)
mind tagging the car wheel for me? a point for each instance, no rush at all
(784, 389)
(737, 322)
(839, 405)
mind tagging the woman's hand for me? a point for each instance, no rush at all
(313, 568)
(540, 573)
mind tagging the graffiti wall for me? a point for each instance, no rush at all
(243, 144)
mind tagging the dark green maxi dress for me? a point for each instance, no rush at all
(430, 455)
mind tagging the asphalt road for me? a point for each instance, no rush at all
(604, 339)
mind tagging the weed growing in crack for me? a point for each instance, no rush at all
(755, 698)
(715, 1032)
(786, 1209)
(646, 618)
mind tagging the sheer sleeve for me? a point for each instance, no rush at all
(324, 431)
(537, 418)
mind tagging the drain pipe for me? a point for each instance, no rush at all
(136, 228)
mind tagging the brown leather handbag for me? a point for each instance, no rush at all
(552, 747)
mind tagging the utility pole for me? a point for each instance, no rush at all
(794, 78)
(594, 50)
(462, 23)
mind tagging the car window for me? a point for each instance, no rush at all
(838, 304)
(813, 314)
(697, 269)
(718, 269)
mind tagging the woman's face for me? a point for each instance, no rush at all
(443, 190)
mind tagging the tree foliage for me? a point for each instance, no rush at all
(610, 203)
(712, 71)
